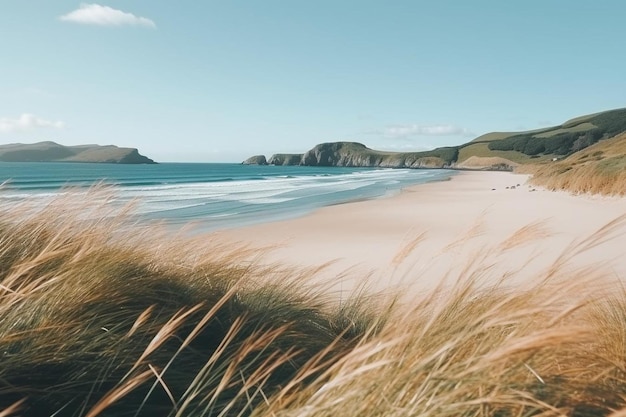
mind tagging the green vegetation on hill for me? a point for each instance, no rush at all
(488, 137)
(53, 152)
(565, 139)
(357, 154)
(353, 154)
(600, 168)
(496, 150)
(481, 150)
(582, 127)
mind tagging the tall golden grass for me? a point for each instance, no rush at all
(102, 317)
(599, 169)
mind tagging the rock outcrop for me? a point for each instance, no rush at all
(255, 160)
(341, 154)
(132, 157)
(53, 152)
(285, 159)
(353, 154)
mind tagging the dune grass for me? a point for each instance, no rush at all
(102, 320)
(102, 317)
(598, 169)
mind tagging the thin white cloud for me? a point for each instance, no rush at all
(27, 122)
(409, 130)
(95, 14)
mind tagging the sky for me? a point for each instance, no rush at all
(218, 81)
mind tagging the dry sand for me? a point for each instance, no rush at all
(434, 232)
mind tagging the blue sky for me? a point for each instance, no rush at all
(217, 81)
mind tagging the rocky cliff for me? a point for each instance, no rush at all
(341, 154)
(53, 152)
(285, 159)
(255, 160)
(352, 154)
(492, 151)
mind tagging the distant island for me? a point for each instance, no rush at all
(53, 152)
(492, 151)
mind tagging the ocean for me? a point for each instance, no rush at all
(212, 196)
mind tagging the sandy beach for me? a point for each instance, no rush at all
(492, 223)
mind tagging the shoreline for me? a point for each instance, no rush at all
(200, 225)
(438, 232)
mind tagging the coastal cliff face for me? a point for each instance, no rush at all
(496, 151)
(285, 159)
(340, 154)
(53, 152)
(134, 157)
(255, 160)
(352, 154)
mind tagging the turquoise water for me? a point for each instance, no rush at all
(215, 196)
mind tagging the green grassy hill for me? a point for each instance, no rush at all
(549, 143)
(495, 150)
(53, 152)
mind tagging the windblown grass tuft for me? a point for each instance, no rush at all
(103, 317)
(98, 318)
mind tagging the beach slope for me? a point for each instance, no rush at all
(432, 232)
